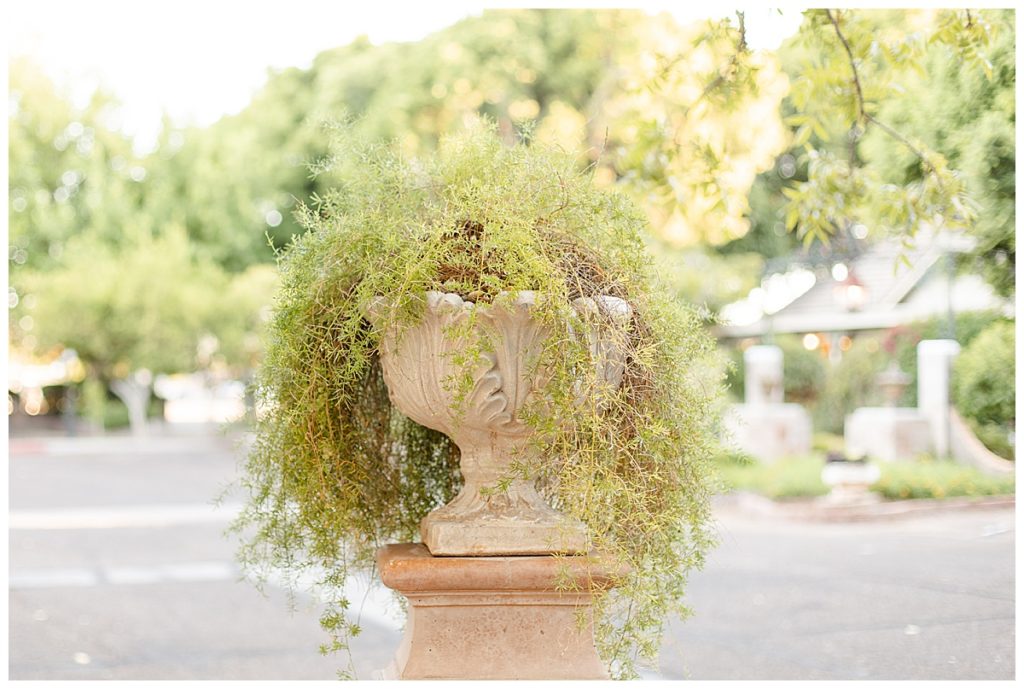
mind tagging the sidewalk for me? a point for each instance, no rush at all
(160, 439)
(820, 510)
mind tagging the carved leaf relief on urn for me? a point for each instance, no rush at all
(423, 365)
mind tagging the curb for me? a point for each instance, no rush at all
(822, 511)
(63, 446)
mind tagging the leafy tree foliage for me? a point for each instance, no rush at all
(99, 256)
(965, 109)
(900, 119)
(895, 118)
(70, 172)
(695, 119)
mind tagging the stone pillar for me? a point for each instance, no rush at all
(762, 366)
(934, 369)
(494, 617)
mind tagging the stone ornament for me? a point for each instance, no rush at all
(424, 365)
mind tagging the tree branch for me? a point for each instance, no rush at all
(861, 106)
(711, 86)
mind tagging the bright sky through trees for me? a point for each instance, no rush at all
(197, 61)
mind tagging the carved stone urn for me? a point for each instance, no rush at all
(893, 381)
(425, 369)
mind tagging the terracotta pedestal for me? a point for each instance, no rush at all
(493, 617)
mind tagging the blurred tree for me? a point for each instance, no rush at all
(694, 119)
(919, 96)
(704, 277)
(687, 118)
(70, 171)
(129, 312)
(897, 174)
(570, 77)
(967, 114)
(234, 184)
(239, 317)
(236, 181)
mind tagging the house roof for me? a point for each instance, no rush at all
(901, 283)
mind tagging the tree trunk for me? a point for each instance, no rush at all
(134, 391)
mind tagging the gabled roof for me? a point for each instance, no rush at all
(892, 275)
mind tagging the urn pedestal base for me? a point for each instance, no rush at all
(494, 617)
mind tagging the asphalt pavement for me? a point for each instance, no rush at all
(119, 569)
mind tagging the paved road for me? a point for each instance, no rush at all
(119, 570)
(930, 597)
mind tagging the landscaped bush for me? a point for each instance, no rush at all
(828, 442)
(995, 437)
(800, 477)
(983, 385)
(938, 479)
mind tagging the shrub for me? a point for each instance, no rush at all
(803, 370)
(800, 477)
(929, 478)
(828, 442)
(983, 385)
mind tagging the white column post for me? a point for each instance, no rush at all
(763, 375)
(934, 373)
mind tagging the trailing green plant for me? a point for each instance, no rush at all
(336, 471)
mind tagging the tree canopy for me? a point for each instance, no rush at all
(881, 121)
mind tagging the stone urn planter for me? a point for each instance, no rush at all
(429, 385)
(892, 382)
(422, 369)
(849, 480)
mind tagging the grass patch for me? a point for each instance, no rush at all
(794, 477)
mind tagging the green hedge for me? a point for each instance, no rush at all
(800, 477)
(983, 386)
(938, 479)
(849, 384)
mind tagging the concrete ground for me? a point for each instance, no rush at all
(929, 596)
(119, 570)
